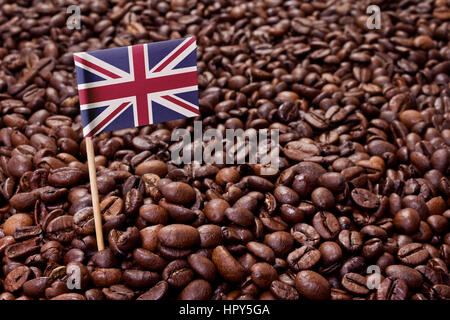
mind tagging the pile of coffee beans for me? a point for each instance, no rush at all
(358, 209)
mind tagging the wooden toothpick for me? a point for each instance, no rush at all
(94, 194)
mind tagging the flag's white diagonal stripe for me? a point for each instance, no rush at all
(113, 119)
(174, 107)
(169, 55)
(157, 94)
(97, 73)
(181, 56)
(86, 56)
(91, 125)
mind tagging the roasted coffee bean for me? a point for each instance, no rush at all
(303, 258)
(139, 278)
(178, 192)
(407, 220)
(157, 292)
(178, 273)
(154, 214)
(326, 225)
(66, 177)
(312, 285)
(105, 277)
(353, 264)
(24, 201)
(69, 296)
(263, 274)
(61, 229)
(305, 234)
(392, 289)
(283, 291)
(83, 221)
(152, 166)
(330, 253)
(202, 266)
(123, 241)
(24, 249)
(229, 268)
(240, 216)
(118, 292)
(16, 222)
(149, 237)
(355, 283)
(365, 199)
(412, 277)
(281, 242)
(323, 198)
(196, 290)
(215, 210)
(178, 236)
(412, 254)
(16, 278)
(149, 260)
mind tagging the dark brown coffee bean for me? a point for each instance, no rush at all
(228, 267)
(83, 221)
(139, 278)
(365, 199)
(305, 234)
(412, 254)
(61, 229)
(312, 285)
(154, 214)
(16, 222)
(105, 277)
(412, 277)
(202, 266)
(152, 166)
(323, 198)
(178, 192)
(178, 273)
(66, 177)
(330, 253)
(263, 274)
(355, 283)
(149, 260)
(303, 258)
(326, 225)
(407, 220)
(392, 289)
(196, 290)
(178, 236)
(16, 279)
(215, 210)
(283, 291)
(261, 251)
(240, 216)
(281, 242)
(157, 292)
(286, 195)
(118, 292)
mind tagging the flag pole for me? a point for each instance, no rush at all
(94, 193)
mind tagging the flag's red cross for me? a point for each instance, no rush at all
(139, 87)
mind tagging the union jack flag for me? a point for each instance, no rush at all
(137, 85)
